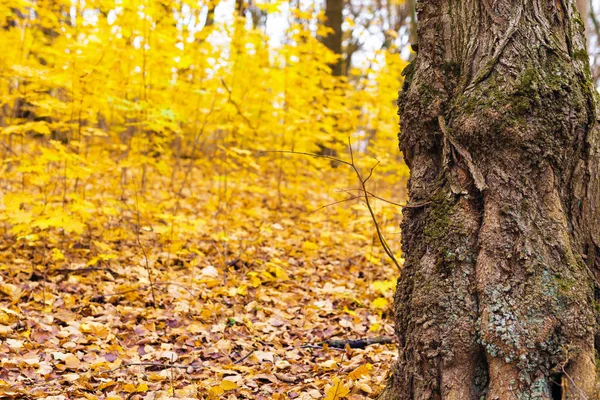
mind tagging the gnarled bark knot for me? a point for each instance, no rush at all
(497, 298)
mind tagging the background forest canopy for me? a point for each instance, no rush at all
(156, 99)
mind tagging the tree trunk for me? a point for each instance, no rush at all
(502, 242)
(333, 19)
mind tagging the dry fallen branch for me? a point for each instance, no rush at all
(359, 343)
(156, 365)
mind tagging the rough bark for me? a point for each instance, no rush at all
(499, 127)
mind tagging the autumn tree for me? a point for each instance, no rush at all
(497, 298)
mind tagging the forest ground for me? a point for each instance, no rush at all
(238, 308)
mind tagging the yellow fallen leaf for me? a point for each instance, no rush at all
(8, 316)
(129, 388)
(277, 271)
(360, 371)
(373, 259)
(141, 388)
(12, 291)
(380, 303)
(104, 385)
(94, 328)
(337, 390)
(228, 385)
(57, 255)
(308, 245)
(215, 392)
(156, 377)
(242, 290)
(384, 287)
(254, 280)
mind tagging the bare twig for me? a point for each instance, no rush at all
(374, 196)
(362, 182)
(310, 154)
(67, 271)
(334, 203)
(144, 287)
(139, 242)
(581, 393)
(244, 358)
(405, 205)
(318, 346)
(151, 364)
(363, 188)
(237, 106)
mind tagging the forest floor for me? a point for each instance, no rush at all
(238, 309)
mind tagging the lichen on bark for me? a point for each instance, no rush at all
(499, 127)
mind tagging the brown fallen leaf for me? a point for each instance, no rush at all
(287, 378)
(266, 377)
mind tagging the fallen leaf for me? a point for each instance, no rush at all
(71, 361)
(209, 272)
(360, 371)
(228, 385)
(287, 378)
(337, 390)
(329, 364)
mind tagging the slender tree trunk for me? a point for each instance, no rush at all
(210, 15)
(334, 18)
(502, 245)
(240, 7)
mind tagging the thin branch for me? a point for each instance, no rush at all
(581, 392)
(388, 201)
(144, 287)
(364, 197)
(371, 172)
(8, 149)
(151, 364)
(139, 242)
(244, 358)
(237, 106)
(318, 346)
(380, 236)
(67, 271)
(310, 154)
(334, 203)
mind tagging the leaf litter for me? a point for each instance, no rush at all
(241, 308)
